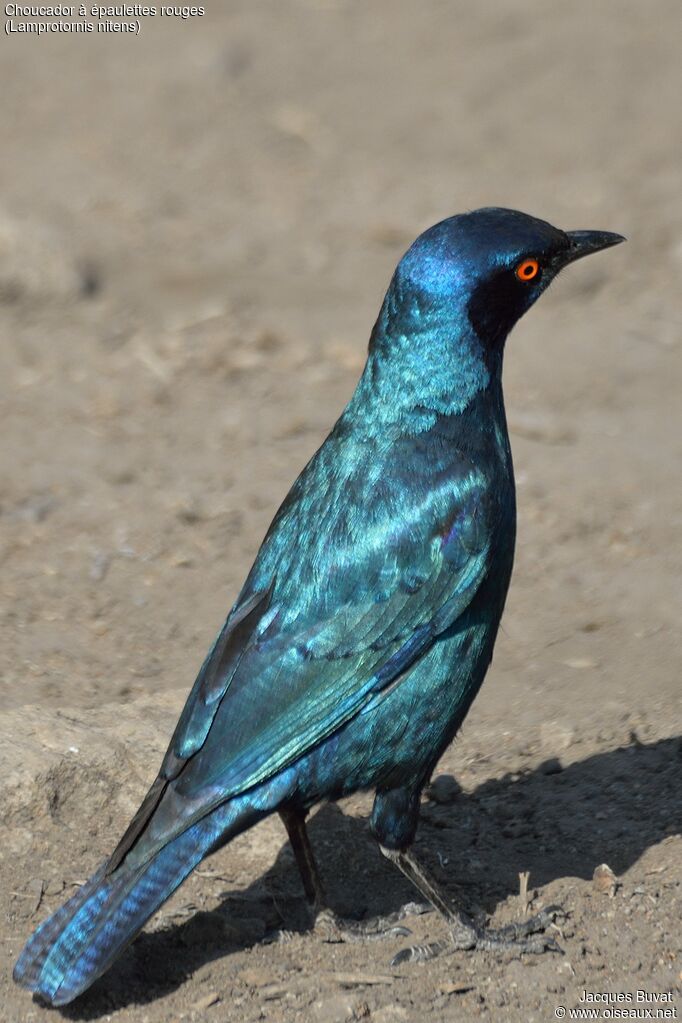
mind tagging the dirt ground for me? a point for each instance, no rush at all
(196, 229)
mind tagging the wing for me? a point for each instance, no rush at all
(374, 553)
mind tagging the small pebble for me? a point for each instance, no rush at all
(455, 988)
(444, 789)
(334, 1009)
(206, 1001)
(580, 663)
(604, 880)
(254, 977)
(272, 992)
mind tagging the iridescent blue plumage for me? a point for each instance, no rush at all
(368, 620)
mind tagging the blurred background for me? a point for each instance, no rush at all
(197, 226)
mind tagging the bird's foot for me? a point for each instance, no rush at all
(333, 928)
(526, 937)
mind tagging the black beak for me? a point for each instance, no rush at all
(583, 243)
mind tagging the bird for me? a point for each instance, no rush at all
(367, 623)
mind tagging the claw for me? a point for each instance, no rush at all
(333, 928)
(421, 953)
(522, 938)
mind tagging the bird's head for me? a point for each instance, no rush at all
(458, 291)
(492, 265)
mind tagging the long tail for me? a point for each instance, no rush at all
(81, 940)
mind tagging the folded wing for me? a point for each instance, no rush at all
(348, 591)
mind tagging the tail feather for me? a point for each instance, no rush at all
(30, 963)
(83, 938)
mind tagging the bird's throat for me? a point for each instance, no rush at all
(414, 378)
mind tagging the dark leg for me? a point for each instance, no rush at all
(464, 933)
(294, 822)
(327, 923)
(395, 816)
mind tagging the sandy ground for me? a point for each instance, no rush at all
(196, 229)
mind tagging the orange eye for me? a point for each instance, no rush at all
(527, 270)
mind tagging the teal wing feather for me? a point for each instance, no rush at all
(345, 595)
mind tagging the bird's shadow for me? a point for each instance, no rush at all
(610, 807)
